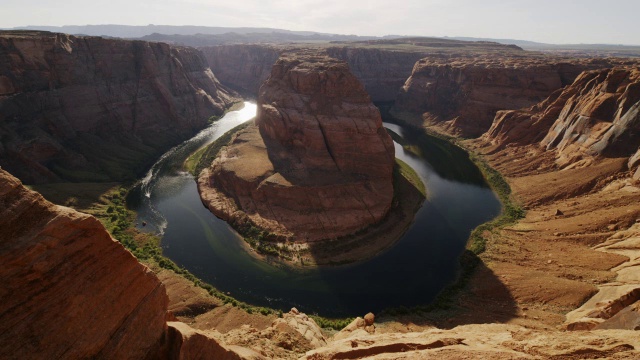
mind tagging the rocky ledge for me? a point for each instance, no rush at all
(317, 165)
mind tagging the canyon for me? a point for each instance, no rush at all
(381, 66)
(560, 282)
(94, 109)
(320, 161)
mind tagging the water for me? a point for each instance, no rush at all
(410, 273)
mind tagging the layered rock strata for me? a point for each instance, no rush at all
(598, 115)
(381, 67)
(242, 67)
(317, 165)
(70, 291)
(382, 72)
(94, 109)
(462, 94)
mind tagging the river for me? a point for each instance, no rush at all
(410, 273)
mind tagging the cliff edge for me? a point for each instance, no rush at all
(80, 108)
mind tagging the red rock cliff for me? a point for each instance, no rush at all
(246, 67)
(68, 289)
(596, 115)
(242, 67)
(320, 166)
(94, 109)
(464, 93)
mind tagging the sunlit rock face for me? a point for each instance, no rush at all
(597, 115)
(318, 163)
(68, 289)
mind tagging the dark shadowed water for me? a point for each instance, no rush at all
(410, 273)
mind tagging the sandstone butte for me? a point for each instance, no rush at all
(79, 108)
(317, 165)
(382, 66)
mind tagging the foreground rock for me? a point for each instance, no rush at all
(70, 291)
(64, 281)
(489, 341)
(317, 165)
(95, 109)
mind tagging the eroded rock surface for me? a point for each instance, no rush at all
(68, 289)
(317, 165)
(462, 94)
(94, 109)
(381, 66)
(597, 115)
(484, 341)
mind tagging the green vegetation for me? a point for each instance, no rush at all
(205, 156)
(408, 173)
(511, 212)
(193, 160)
(335, 324)
(119, 221)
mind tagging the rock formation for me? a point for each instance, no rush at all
(382, 72)
(319, 163)
(381, 66)
(242, 67)
(598, 115)
(465, 92)
(483, 341)
(94, 109)
(582, 140)
(70, 291)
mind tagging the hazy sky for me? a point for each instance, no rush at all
(552, 21)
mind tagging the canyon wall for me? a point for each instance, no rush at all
(462, 94)
(94, 109)
(71, 291)
(320, 161)
(242, 67)
(245, 67)
(597, 115)
(382, 72)
(68, 289)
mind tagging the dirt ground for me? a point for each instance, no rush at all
(542, 267)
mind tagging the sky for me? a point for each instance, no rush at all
(549, 21)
